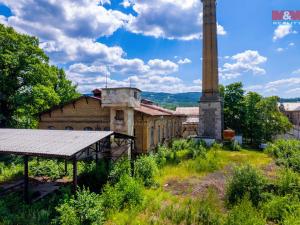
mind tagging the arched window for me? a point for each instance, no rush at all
(88, 129)
(69, 128)
(51, 128)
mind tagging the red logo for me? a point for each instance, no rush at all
(286, 15)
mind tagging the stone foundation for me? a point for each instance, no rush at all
(211, 119)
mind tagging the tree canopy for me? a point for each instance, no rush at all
(28, 83)
(258, 118)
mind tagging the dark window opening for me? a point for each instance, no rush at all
(51, 128)
(69, 128)
(120, 115)
(88, 129)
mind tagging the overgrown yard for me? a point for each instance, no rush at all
(186, 183)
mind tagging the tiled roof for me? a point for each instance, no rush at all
(188, 111)
(292, 106)
(154, 110)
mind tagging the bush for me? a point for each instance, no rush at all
(86, 208)
(288, 182)
(145, 169)
(208, 212)
(179, 145)
(127, 192)
(286, 152)
(120, 168)
(208, 163)
(245, 181)
(50, 168)
(245, 214)
(280, 207)
(197, 148)
(161, 156)
(235, 146)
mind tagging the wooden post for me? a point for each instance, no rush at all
(74, 175)
(97, 150)
(26, 179)
(66, 167)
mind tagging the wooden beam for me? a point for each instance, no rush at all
(26, 179)
(74, 175)
(66, 167)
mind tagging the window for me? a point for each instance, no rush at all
(152, 136)
(69, 128)
(98, 128)
(88, 128)
(119, 115)
(135, 94)
(106, 129)
(51, 128)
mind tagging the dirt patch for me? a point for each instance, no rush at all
(196, 187)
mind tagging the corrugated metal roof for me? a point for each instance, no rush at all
(51, 143)
(188, 111)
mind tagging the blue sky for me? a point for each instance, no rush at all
(156, 45)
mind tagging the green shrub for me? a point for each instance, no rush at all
(120, 168)
(177, 214)
(245, 181)
(279, 207)
(131, 191)
(127, 192)
(112, 198)
(292, 219)
(245, 214)
(50, 168)
(178, 145)
(145, 169)
(235, 146)
(207, 210)
(85, 208)
(196, 148)
(161, 156)
(288, 182)
(208, 163)
(286, 152)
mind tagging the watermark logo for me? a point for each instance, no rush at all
(286, 17)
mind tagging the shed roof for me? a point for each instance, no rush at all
(154, 110)
(48, 143)
(188, 111)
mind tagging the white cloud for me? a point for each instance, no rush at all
(280, 49)
(286, 88)
(248, 61)
(296, 72)
(170, 19)
(184, 61)
(283, 30)
(291, 44)
(221, 30)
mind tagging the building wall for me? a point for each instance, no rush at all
(150, 131)
(294, 117)
(86, 112)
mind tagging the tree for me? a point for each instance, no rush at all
(252, 123)
(273, 122)
(28, 84)
(233, 106)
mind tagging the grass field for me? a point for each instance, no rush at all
(176, 196)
